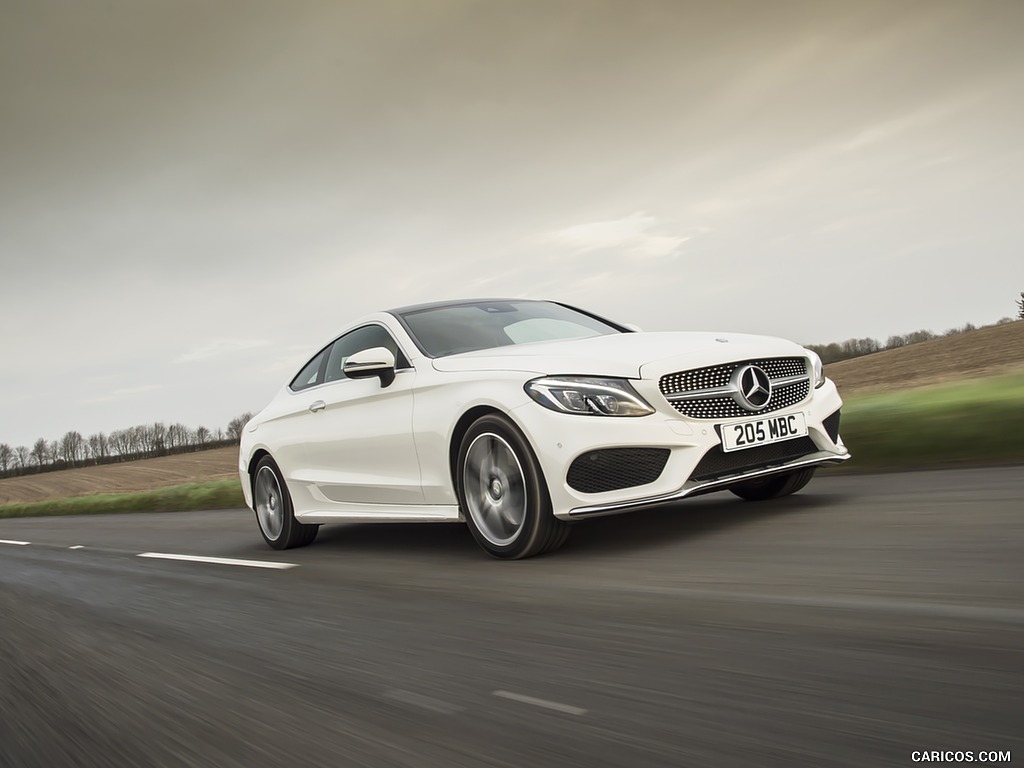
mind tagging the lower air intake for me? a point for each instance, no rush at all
(831, 425)
(717, 463)
(612, 469)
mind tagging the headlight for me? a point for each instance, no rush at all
(819, 369)
(596, 397)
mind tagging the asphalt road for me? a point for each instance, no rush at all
(865, 619)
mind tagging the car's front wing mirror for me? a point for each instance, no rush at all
(376, 361)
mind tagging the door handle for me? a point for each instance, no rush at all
(319, 405)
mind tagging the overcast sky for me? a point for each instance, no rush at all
(194, 195)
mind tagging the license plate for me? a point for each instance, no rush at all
(771, 429)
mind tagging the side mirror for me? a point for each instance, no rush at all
(376, 361)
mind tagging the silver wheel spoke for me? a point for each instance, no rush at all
(474, 478)
(508, 516)
(269, 503)
(492, 513)
(495, 489)
(492, 454)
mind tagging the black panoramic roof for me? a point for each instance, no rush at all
(457, 333)
(456, 303)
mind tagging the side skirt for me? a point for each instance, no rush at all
(383, 513)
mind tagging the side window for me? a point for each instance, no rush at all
(308, 376)
(355, 341)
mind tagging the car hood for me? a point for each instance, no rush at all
(629, 355)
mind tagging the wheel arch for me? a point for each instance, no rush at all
(461, 428)
(256, 458)
(546, 532)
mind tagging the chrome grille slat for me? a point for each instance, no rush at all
(700, 394)
(706, 393)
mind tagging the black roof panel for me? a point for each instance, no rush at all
(455, 303)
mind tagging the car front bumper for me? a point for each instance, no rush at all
(559, 439)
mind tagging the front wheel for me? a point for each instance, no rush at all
(503, 494)
(273, 506)
(773, 486)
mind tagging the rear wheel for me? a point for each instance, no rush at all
(773, 486)
(503, 494)
(273, 506)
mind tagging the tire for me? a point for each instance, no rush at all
(273, 507)
(773, 486)
(502, 492)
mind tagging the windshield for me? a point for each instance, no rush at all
(453, 328)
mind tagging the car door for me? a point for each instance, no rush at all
(287, 422)
(360, 449)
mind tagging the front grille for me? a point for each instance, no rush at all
(717, 463)
(719, 375)
(612, 469)
(831, 425)
(724, 406)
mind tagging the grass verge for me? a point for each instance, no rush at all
(217, 494)
(971, 422)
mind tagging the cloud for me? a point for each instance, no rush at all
(119, 394)
(877, 133)
(635, 235)
(887, 130)
(218, 347)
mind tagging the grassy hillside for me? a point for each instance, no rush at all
(129, 477)
(986, 351)
(969, 421)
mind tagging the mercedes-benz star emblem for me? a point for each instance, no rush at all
(755, 388)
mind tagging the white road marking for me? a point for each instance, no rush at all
(77, 546)
(567, 709)
(15, 543)
(219, 560)
(423, 702)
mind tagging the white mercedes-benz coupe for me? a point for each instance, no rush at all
(520, 417)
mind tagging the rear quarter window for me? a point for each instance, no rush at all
(310, 374)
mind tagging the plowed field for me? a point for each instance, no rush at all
(142, 475)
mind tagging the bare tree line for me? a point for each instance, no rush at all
(845, 350)
(142, 441)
